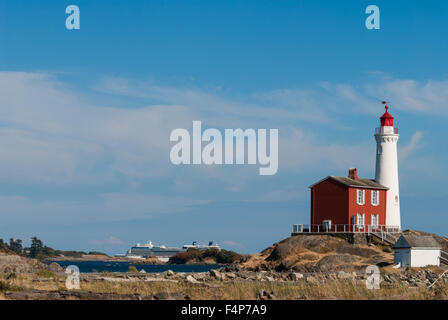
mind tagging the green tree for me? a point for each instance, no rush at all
(15, 245)
(36, 247)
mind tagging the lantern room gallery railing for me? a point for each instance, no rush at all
(343, 228)
(379, 131)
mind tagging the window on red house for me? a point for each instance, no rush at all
(375, 197)
(374, 219)
(360, 219)
(360, 197)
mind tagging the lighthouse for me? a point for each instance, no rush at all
(386, 172)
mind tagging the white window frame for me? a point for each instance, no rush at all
(360, 197)
(376, 218)
(360, 219)
(374, 193)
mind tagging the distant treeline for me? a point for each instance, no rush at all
(194, 255)
(38, 250)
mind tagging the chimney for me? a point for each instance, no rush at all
(353, 173)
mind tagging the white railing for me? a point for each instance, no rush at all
(344, 228)
(379, 131)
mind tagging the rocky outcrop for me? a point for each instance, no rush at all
(317, 253)
(16, 264)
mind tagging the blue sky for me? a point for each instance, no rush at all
(85, 115)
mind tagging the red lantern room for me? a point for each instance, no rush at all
(386, 119)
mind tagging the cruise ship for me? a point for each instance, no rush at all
(195, 245)
(149, 250)
(163, 253)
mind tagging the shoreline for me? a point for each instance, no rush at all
(229, 285)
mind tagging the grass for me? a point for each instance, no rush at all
(46, 274)
(4, 286)
(333, 289)
(336, 289)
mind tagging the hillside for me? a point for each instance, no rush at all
(13, 263)
(324, 253)
(317, 253)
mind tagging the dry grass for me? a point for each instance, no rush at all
(334, 289)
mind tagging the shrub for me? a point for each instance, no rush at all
(185, 257)
(46, 274)
(4, 286)
(97, 253)
(194, 255)
(226, 256)
(132, 269)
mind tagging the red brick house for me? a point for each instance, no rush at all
(347, 204)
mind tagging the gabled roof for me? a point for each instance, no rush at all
(416, 241)
(360, 183)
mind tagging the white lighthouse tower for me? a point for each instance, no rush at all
(386, 172)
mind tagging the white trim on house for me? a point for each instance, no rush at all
(374, 220)
(360, 219)
(360, 197)
(374, 197)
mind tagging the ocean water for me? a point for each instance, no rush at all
(123, 266)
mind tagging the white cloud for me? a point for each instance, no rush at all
(301, 151)
(231, 243)
(54, 135)
(108, 207)
(48, 135)
(429, 97)
(51, 134)
(109, 241)
(147, 204)
(414, 144)
(282, 195)
(424, 97)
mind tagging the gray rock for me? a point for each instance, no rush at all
(191, 279)
(200, 276)
(312, 280)
(295, 276)
(216, 274)
(264, 295)
(170, 273)
(54, 267)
